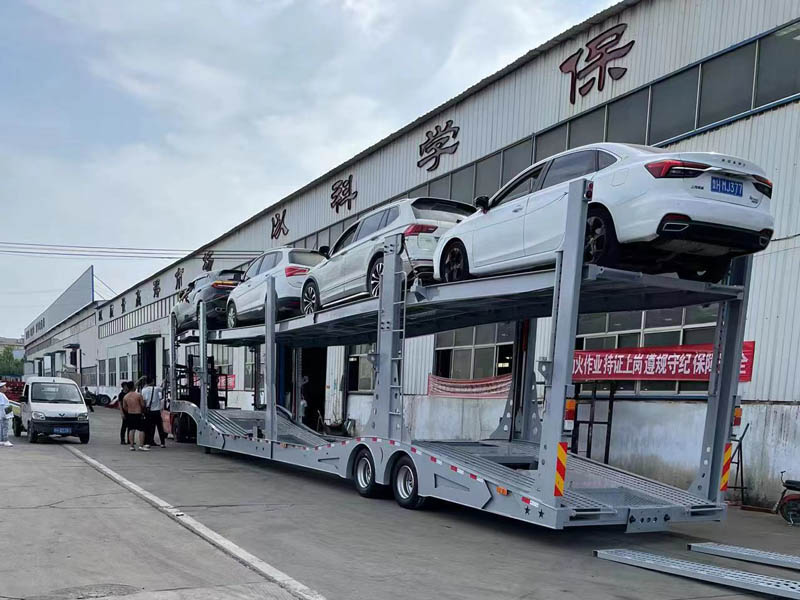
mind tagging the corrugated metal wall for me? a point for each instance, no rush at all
(772, 140)
(417, 364)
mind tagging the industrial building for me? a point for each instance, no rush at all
(715, 75)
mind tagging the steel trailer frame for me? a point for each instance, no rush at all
(548, 492)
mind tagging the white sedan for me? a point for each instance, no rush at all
(652, 210)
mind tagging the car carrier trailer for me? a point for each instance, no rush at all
(534, 478)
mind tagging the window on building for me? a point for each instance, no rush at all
(588, 129)
(516, 159)
(112, 372)
(622, 321)
(627, 119)
(703, 313)
(135, 367)
(487, 176)
(101, 372)
(569, 167)
(223, 359)
(551, 142)
(123, 368)
(673, 105)
(440, 188)
(250, 375)
(663, 317)
(778, 57)
(419, 192)
(463, 185)
(726, 85)
(474, 352)
(360, 374)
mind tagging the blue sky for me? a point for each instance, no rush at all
(118, 117)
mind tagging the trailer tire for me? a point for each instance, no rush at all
(364, 475)
(405, 484)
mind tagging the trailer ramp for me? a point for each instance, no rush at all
(595, 493)
(240, 423)
(744, 580)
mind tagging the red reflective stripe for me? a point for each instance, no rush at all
(433, 459)
(526, 500)
(473, 476)
(452, 468)
(561, 469)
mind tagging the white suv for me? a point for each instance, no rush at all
(355, 263)
(52, 406)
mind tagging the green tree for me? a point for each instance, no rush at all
(8, 364)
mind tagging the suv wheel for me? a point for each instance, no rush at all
(309, 301)
(232, 318)
(375, 276)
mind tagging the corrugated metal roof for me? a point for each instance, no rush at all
(471, 91)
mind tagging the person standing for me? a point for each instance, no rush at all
(154, 402)
(5, 413)
(88, 397)
(123, 430)
(134, 409)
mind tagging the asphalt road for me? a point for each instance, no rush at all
(69, 526)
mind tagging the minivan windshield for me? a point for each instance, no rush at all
(56, 393)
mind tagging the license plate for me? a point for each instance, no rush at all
(62, 430)
(726, 186)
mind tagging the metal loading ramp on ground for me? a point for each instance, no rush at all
(532, 478)
(754, 582)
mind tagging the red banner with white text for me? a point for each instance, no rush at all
(681, 363)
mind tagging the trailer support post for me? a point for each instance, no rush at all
(531, 428)
(566, 296)
(271, 417)
(386, 417)
(203, 368)
(173, 352)
(723, 385)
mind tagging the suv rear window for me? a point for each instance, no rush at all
(307, 259)
(440, 210)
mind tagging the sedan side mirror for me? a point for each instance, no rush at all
(482, 202)
(325, 251)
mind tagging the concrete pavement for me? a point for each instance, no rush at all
(319, 531)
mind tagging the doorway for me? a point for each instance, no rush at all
(146, 351)
(312, 387)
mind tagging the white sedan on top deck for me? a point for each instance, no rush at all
(652, 210)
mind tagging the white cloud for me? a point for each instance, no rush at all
(226, 106)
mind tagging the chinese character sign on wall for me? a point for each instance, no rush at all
(674, 363)
(602, 50)
(208, 261)
(438, 142)
(343, 194)
(279, 227)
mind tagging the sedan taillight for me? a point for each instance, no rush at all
(293, 271)
(673, 168)
(418, 228)
(224, 284)
(763, 185)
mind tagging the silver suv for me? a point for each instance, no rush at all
(354, 265)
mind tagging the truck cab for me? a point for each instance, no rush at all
(52, 406)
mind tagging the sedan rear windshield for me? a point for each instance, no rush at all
(438, 209)
(55, 393)
(307, 259)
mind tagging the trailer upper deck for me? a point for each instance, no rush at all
(445, 306)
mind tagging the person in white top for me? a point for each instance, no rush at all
(5, 415)
(154, 400)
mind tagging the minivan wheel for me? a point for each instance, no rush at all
(31, 434)
(375, 276)
(231, 317)
(600, 245)
(455, 264)
(16, 426)
(84, 439)
(310, 298)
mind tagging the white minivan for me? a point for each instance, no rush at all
(52, 406)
